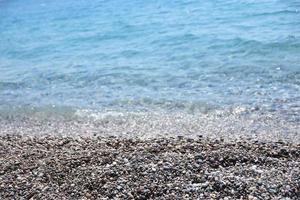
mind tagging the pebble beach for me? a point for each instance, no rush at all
(56, 167)
(149, 100)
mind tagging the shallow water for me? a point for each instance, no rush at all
(187, 58)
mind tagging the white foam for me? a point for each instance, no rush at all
(228, 124)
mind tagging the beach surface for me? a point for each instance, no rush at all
(57, 167)
(149, 99)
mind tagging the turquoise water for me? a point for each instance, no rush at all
(184, 56)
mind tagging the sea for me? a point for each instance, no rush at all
(133, 68)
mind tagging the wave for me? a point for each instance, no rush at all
(279, 12)
(290, 43)
(229, 124)
(11, 85)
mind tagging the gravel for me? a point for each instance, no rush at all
(57, 167)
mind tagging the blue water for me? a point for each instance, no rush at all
(184, 56)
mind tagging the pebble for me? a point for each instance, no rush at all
(164, 168)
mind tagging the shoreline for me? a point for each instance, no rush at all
(56, 167)
(231, 126)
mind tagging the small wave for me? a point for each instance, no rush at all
(280, 12)
(256, 47)
(228, 124)
(11, 85)
(50, 112)
(172, 40)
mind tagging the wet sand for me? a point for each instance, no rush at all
(56, 167)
